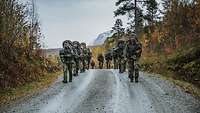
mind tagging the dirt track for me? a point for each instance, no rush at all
(107, 91)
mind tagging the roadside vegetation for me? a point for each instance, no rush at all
(22, 59)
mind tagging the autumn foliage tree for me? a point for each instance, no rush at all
(21, 57)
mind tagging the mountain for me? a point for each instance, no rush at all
(101, 38)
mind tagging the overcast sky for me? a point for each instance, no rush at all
(80, 20)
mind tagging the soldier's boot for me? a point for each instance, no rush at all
(115, 64)
(136, 75)
(88, 66)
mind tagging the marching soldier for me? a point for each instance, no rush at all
(100, 59)
(66, 56)
(133, 52)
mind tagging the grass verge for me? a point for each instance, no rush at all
(10, 95)
(185, 86)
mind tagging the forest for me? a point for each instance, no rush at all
(170, 34)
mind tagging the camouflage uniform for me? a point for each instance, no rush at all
(133, 51)
(66, 56)
(101, 60)
(108, 58)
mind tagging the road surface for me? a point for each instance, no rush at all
(107, 91)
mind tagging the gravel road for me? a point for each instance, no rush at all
(107, 91)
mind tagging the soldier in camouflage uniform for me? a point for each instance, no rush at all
(83, 57)
(100, 59)
(133, 52)
(66, 56)
(77, 52)
(108, 58)
(121, 57)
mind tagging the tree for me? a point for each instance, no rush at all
(19, 40)
(135, 13)
(118, 28)
(151, 15)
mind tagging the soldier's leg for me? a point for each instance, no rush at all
(115, 64)
(136, 71)
(101, 65)
(131, 70)
(74, 69)
(120, 66)
(124, 66)
(77, 68)
(65, 73)
(88, 65)
(81, 66)
(109, 65)
(84, 65)
(70, 72)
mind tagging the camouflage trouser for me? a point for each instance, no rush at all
(88, 64)
(108, 64)
(83, 65)
(67, 68)
(76, 68)
(133, 70)
(115, 63)
(122, 65)
(100, 65)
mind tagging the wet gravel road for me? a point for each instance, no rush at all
(107, 91)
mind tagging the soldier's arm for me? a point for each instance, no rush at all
(61, 54)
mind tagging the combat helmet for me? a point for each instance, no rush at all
(83, 45)
(67, 43)
(76, 43)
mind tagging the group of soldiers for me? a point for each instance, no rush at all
(126, 53)
(76, 58)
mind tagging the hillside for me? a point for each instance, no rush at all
(101, 38)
